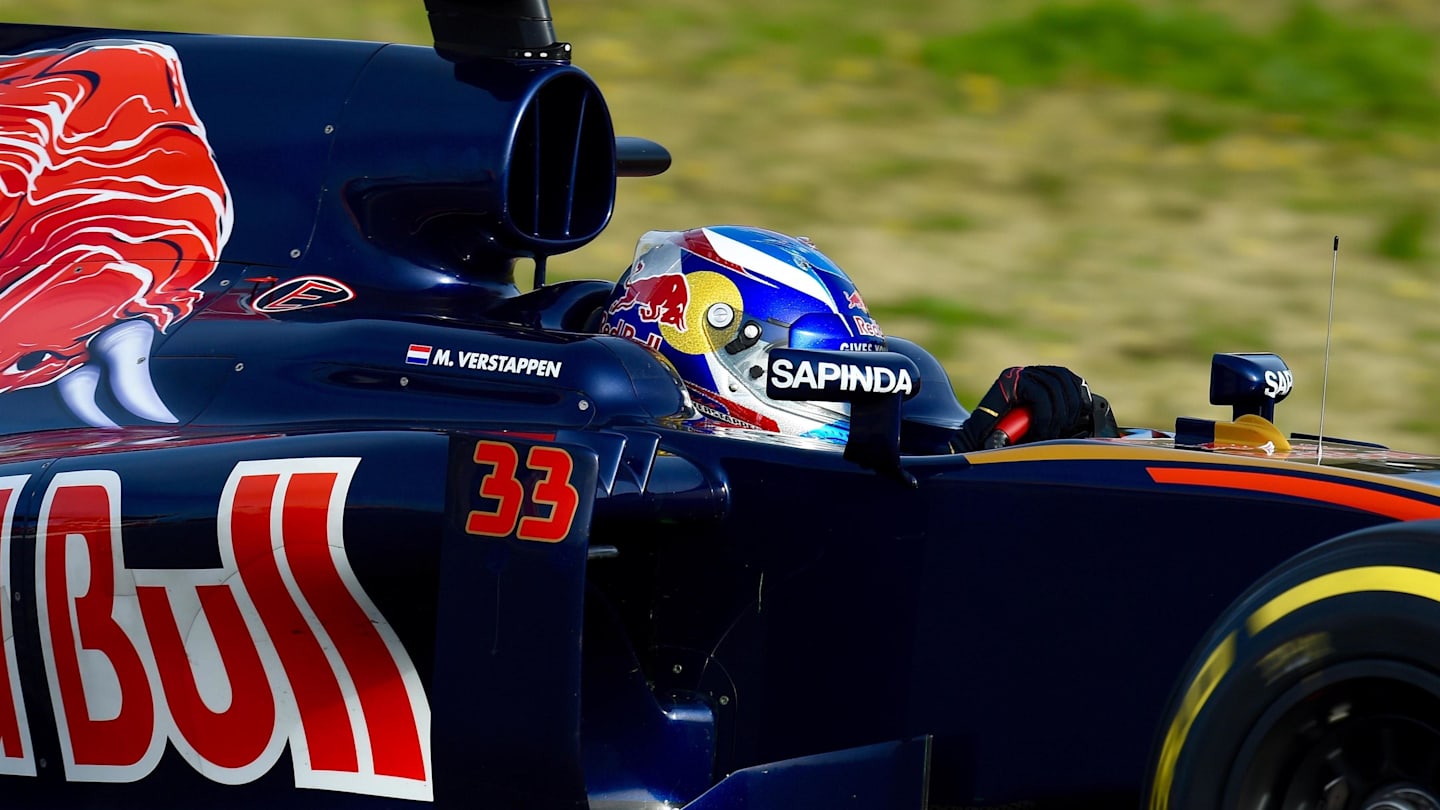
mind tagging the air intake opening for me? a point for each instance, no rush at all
(562, 171)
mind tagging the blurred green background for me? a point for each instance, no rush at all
(1123, 186)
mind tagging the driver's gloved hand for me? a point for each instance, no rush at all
(1058, 399)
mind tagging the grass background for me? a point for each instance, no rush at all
(1122, 186)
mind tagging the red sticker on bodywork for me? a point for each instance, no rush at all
(549, 505)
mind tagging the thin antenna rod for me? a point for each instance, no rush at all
(1329, 328)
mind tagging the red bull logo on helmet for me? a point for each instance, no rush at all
(867, 327)
(659, 298)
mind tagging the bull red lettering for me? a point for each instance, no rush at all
(553, 490)
(16, 756)
(225, 744)
(91, 633)
(499, 485)
(220, 695)
(326, 744)
(359, 719)
(281, 645)
(384, 705)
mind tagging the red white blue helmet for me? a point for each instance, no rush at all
(714, 301)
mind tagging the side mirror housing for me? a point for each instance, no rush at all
(1250, 383)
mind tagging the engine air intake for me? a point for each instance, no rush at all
(562, 165)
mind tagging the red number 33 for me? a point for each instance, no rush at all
(553, 489)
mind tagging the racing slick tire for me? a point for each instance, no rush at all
(1318, 688)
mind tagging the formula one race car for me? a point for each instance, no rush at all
(304, 503)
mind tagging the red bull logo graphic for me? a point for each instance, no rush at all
(627, 330)
(856, 302)
(658, 298)
(114, 213)
(867, 327)
(278, 647)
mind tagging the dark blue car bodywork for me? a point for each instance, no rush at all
(563, 593)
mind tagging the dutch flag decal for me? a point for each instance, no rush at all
(418, 355)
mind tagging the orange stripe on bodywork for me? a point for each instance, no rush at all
(1116, 451)
(1365, 499)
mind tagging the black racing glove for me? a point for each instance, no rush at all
(1059, 402)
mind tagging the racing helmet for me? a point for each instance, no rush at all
(714, 301)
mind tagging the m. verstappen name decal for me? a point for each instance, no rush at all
(848, 377)
(420, 355)
(278, 646)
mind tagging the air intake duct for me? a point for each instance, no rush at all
(463, 164)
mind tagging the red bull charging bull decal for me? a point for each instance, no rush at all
(278, 647)
(113, 212)
(656, 296)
